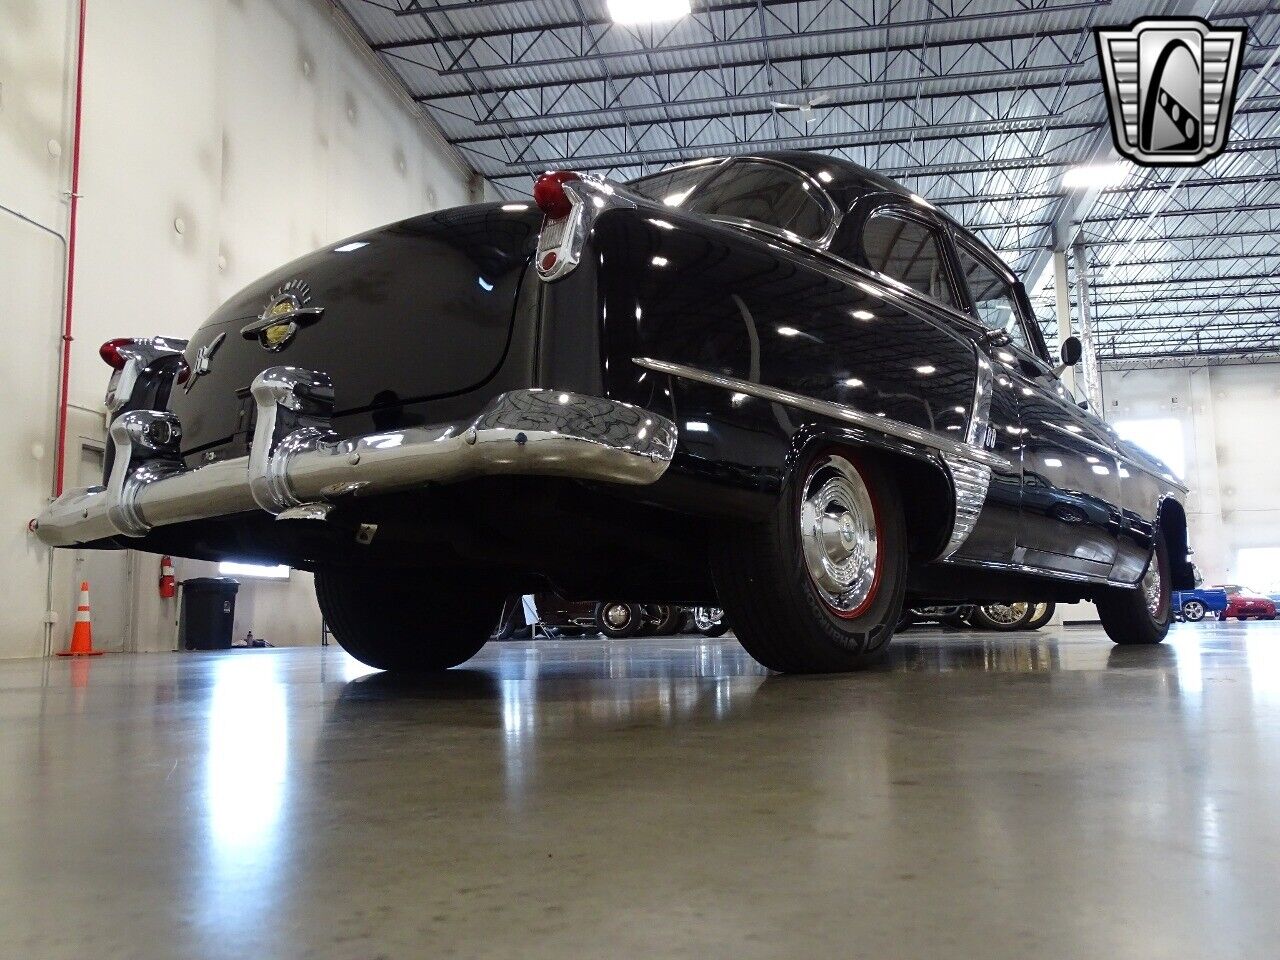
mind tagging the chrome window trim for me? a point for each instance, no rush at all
(899, 211)
(837, 411)
(835, 214)
(974, 249)
(762, 228)
(711, 163)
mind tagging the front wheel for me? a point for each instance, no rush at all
(667, 619)
(1003, 616)
(1193, 611)
(407, 622)
(818, 587)
(710, 621)
(1044, 613)
(619, 620)
(1142, 615)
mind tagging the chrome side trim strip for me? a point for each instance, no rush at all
(292, 474)
(837, 411)
(1039, 572)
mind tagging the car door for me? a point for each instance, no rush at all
(1070, 514)
(908, 244)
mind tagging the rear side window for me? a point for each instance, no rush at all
(671, 186)
(909, 252)
(993, 297)
(766, 194)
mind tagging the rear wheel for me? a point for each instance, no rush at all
(1193, 611)
(818, 587)
(1003, 616)
(618, 620)
(1140, 616)
(407, 622)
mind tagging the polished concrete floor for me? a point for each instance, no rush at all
(1043, 795)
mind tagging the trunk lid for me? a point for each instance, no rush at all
(413, 311)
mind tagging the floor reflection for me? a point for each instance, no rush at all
(295, 803)
(245, 781)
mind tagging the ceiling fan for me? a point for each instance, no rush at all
(806, 108)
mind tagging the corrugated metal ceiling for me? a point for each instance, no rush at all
(979, 105)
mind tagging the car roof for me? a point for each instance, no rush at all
(846, 181)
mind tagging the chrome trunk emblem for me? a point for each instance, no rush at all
(284, 315)
(1170, 85)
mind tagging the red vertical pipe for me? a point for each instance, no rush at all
(64, 399)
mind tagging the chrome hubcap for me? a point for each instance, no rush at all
(838, 534)
(1152, 587)
(1006, 613)
(704, 618)
(617, 615)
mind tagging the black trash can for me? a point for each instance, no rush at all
(208, 611)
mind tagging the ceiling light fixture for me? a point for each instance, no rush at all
(1096, 175)
(647, 11)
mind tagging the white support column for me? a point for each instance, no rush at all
(1091, 378)
(1063, 291)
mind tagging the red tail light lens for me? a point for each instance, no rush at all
(184, 369)
(549, 193)
(110, 352)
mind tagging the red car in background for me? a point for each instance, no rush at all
(1243, 603)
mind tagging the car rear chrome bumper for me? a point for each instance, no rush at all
(298, 468)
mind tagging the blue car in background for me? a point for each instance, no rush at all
(1192, 605)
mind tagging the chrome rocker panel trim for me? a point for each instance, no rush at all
(837, 411)
(525, 432)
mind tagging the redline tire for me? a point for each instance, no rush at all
(780, 612)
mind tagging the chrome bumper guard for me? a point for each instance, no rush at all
(298, 467)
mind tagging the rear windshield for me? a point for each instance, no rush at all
(671, 186)
(767, 194)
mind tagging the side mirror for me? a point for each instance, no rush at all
(1072, 350)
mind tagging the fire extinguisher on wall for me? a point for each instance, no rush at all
(168, 587)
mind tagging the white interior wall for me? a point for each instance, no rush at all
(267, 131)
(1226, 414)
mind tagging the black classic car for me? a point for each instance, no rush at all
(780, 384)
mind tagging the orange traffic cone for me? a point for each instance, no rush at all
(82, 632)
